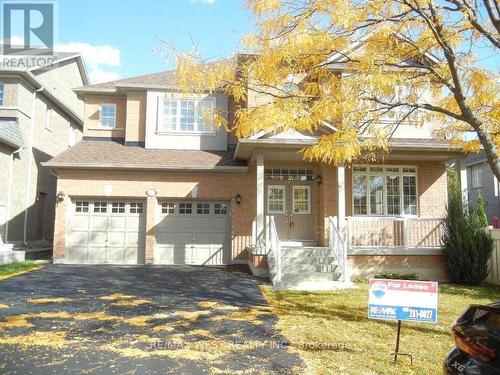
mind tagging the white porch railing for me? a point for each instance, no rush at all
(273, 246)
(365, 232)
(337, 246)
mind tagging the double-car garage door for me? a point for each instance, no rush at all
(113, 232)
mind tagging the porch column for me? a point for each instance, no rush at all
(259, 218)
(151, 205)
(463, 182)
(341, 197)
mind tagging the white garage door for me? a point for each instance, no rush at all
(193, 233)
(106, 232)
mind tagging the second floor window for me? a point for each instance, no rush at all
(1, 94)
(185, 115)
(108, 115)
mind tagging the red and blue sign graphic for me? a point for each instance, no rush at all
(403, 300)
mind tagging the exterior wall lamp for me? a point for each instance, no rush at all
(60, 196)
(237, 199)
(319, 179)
(151, 193)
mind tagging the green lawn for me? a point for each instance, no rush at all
(7, 270)
(340, 318)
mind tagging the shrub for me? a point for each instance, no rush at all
(397, 276)
(467, 245)
(481, 214)
(453, 184)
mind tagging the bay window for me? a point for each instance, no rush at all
(185, 115)
(384, 190)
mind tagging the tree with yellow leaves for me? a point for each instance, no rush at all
(353, 64)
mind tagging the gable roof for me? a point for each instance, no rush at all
(165, 78)
(161, 80)
(30, 73)
(26, 63)
(341, 57)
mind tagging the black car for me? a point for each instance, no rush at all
(477, 342)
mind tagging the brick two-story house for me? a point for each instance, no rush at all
(40, 117)
(153, 182)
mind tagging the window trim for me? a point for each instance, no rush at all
(195, 131)
(203, 208)
(269, 187)
(100, 116)
(192, 208)
(384, 173)
(479, 182)
(167, 206)
(308, 188)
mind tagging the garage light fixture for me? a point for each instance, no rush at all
(60, 196)
(151, 193)
(237, 198)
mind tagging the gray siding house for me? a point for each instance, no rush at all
(482, 181)
(40, 117)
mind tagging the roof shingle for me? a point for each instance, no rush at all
(109, 154)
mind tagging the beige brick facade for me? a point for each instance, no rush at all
(92, 116)
(209, 186)
(45, 141)
(212, 185)
(221, 186)
(135, 117)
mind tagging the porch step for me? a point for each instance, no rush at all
(305, 251)
(309, 268)
(288, 260)
(302, 277)
(311, 265)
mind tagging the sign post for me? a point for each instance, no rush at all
(400, 300)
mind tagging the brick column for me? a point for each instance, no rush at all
(61, 220)
(151, 205)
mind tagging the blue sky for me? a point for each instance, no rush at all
(123, 38)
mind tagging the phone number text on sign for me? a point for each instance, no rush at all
(403, 300)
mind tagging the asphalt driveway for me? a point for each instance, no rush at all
(139, 320)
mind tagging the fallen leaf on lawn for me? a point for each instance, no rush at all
(136, 302)
(49, 300)
(116, 296)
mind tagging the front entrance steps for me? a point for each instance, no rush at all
(306, 268)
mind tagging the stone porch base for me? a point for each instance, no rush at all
(427, 264)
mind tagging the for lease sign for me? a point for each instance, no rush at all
(403, 300)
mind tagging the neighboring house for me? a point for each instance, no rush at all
(482, 181)
(154, 183)
(40, 117)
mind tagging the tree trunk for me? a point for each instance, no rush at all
(490, 150)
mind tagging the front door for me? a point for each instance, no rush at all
(292, 205)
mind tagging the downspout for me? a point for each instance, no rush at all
(9, 192)
(30, 163)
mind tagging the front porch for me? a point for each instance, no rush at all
(341, 222)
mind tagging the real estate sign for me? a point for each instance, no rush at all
(403, 300)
